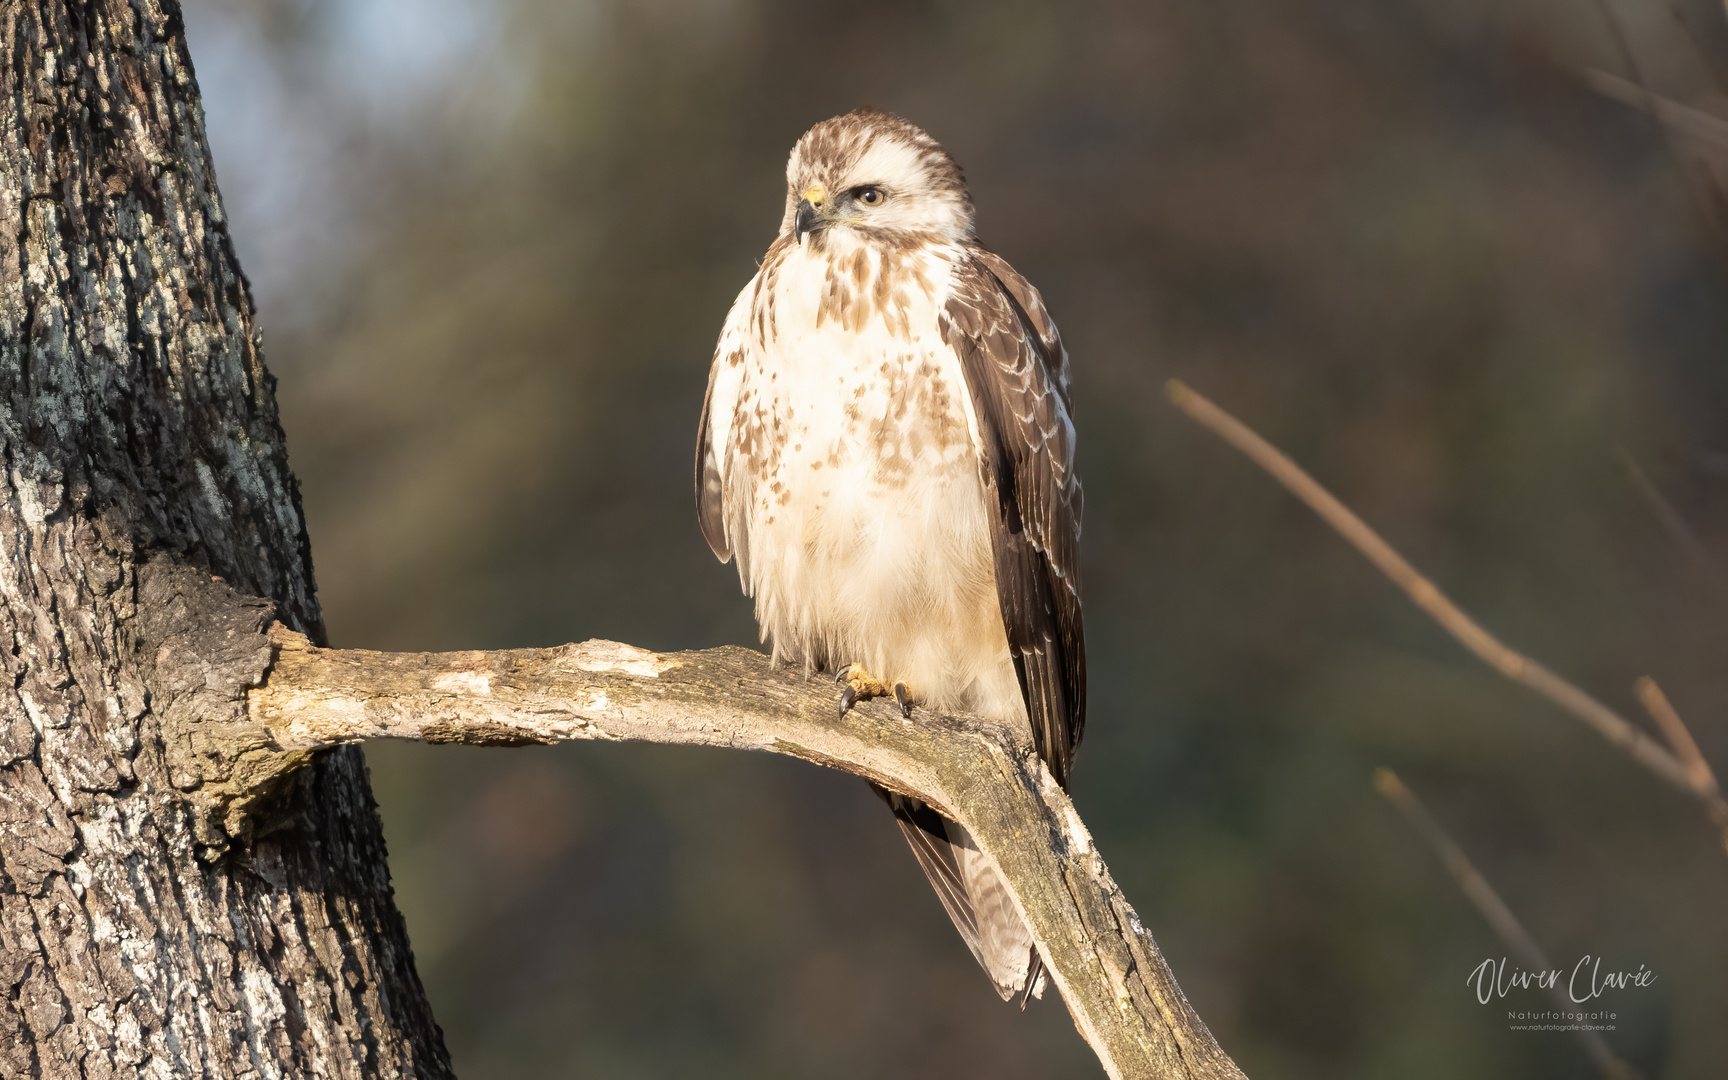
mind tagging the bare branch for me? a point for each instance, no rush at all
(1697, 170)
(1674, 729)
(1683, 118)
(1118, 988)
(1477, 890)
(1675, 524)
(1609, 724)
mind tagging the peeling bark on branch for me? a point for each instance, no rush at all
(1118, 988)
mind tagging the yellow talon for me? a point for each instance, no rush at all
(862, 686)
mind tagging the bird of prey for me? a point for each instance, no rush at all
(886, 450)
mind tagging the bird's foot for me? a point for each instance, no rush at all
(862, 686)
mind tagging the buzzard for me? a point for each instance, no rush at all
(886, 451)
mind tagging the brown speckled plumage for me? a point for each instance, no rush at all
(886, 451)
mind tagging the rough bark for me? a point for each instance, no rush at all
(137, 422)
(1120, 992)
(192, 876)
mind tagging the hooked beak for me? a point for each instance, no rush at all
(809, 214)
(804, 220)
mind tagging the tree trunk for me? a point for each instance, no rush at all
(139, 438)
(192, 873)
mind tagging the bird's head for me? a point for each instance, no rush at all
(878, 175)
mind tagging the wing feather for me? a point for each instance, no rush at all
(714, 432)
(1017, 373)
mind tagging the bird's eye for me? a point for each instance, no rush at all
(870, 196)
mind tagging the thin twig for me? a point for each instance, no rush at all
(1701, 125)
(1708, 191)
(1674, 729)
(1672, 521)
(1514, 665)
(1477, 890)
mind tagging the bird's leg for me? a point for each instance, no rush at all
(862, 686)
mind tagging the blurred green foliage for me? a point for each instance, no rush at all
(494, 242)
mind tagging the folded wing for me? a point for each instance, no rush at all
(1017, 372)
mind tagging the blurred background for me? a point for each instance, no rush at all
(493, 241)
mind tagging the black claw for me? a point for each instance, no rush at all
(904, 697)
(840, 676)
(848, 698)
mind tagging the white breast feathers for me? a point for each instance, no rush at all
(853, 498)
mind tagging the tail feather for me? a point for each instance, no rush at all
(936, 857)
(974, 896)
